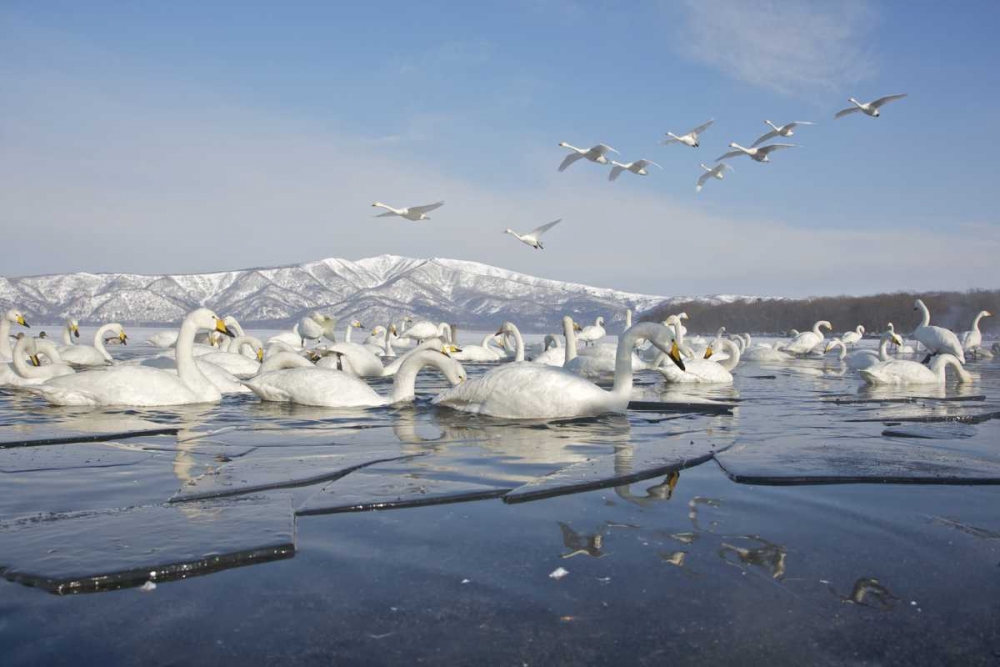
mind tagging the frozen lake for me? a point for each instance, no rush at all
(817, 522)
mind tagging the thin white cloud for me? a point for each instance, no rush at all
(792, 46)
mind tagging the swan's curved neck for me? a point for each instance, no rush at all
(925, 315)
(518, 342)
(487, 339)
(99, 339)
(187, 369)
(734, 354)
(429, 344)
(403, 385)
(570, 335)
(975, 322)
(623, 355)
(283, 360)
(5, 352)
(387, 343)
(843, 348)
(883, 349)
(444, 332)
(22, 367)
(817, 330)
(67, 336)
(941, 363)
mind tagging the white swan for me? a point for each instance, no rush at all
(234, 361)
(937, 340)
(638, 168)
(592, 362)
(424, 330)
(162, 339)
(534, 237)
(140, 385)
(414, 213)
(864, 358)
(535, 391)
(12, 316)
(316, 326)
(807, 341)
(759, 154)
(96, 354)
(761, 353)
(291, 338)
(593, 333)
(689, 139)
(786, 130)
(335, 389)
(478, 353)
(553, 354)
(596, 154)
(20, 373)
(869, 108)
(901, 372)
(718, 172)
(852, 337)
(972, 339)
(702, 371)
(363, 362)
(71, 329)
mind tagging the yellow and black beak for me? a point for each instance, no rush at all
(221, 327)
(577, 327)
(897, 340)
(392, 329)
(35, 361)
(123, 337)
(708, 352)
(260, 354)
(22, 321)
(675, 356)
(76, 331)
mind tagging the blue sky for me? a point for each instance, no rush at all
(175, 137)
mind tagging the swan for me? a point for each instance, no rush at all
(864, 358)
(902, 348)
(852, 337)
(479, 353)
(291, 338)
(805, 342)
(718, 171)
(234, 361)
(638, 168)
(379, 341)
(534, 237)
(702, 371)
(972, 339)
(96, 355)
(164, 339)
(12, 316)
(315, 326)
(689, 139)
(414, 213)
(786, 130)
(363, 362)
(937, 340)
(140, 385)
(759, 154)
(20, 373)
(868, 108)
(901, 372)
(592, 361)
(403, 326)
(762, 353)
(596, 154)
(552, 353)
(535, 391)
(335, 389)
(71, 329)
(593, 333)
(424, 330)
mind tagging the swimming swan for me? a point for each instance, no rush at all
(805, 342)
(96, 354)
(12, 316)
(937, 340)
(852, 337)
(864, 358)
(327, 388)
(535, 391)
(972, 339)
(902, 372)
(21, 373)
(140, 385)
(703, 371)
(593, 333)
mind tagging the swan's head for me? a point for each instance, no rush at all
(893, 337)
(122, 336)
(453, 371)
(876, 113)
(357, 324)
(14, 316)
(600, 321)
(918, 304)
(205, 319)
(73, 326)
(506, 328)
(861, 328)
(392, 329)
(890, 327)
(823, 324)
(986, 313)
(563, 144)
(663, 339)
(708, 352)
(377, 203)
(508, 231)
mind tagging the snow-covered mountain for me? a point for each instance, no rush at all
(375, 289)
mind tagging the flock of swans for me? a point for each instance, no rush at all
(210, 356)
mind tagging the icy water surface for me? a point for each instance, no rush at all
(812, 522)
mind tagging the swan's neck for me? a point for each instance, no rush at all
(734, 354)
(283, 360)
(518, 343)
(842, 349)
(403, 385)
(940, 366)
(975, 322)
(673, 136)
(387, 343)
(21, 366)
(444, 332)
(4, 338)
(347, 333)
(187, 369)
(67, 336)
(883, 350)
(570, 340)
(773, 126)
(487, 339)
(628, 319)
(925, 314)
(99, 339)
(623, 356)
(817, 330)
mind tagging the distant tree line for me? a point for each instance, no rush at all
(954, 310)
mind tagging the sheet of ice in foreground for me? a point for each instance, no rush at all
(283, 467)
(69, 457)
(82, 552)
(628, 463)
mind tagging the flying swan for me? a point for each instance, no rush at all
(596, 154)
(534, 237)
(414, 213)
(689, 139)
(869, 108)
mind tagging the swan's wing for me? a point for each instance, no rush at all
(426, 208)
(667, 141)
(642, 164)
(885, 100)
(568, 160)
(774, 147)
(724, 166)
(764, 137)
(729, 155)
(701, 180)
(701, 128)
(844, 112)
(801, 122)
(538, 231)
(604, 149)
(387, 214)
(615, 172)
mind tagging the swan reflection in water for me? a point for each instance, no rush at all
(768, 555)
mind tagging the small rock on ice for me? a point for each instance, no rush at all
(147, 587)
(558, 573)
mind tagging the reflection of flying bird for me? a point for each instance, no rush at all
(756, 154)
(638, 167)
(718, 171)
(689, 139)
(782, 131)
(868, 108)
(414, 213)
(533, 238)
(596, 154)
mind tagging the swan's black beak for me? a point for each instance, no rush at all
(675, 356)
(76, 332)
(708, 352)
(35, 360)
(123, 337)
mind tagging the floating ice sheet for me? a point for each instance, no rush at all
(961, 417)
(939, 431)
(285, 467)
(626, 465)
(39, 435)
(704, 406)
(68, 457)
(82, 552)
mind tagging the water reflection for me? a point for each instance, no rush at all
(769, 556)
(582, 544)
